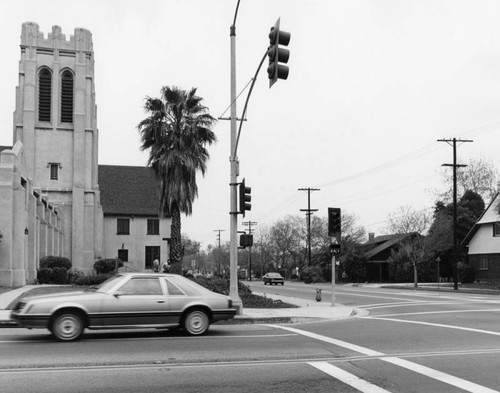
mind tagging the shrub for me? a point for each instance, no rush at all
(55, 275)
(91, 279)
(466, 273)
(51, 261)
(104, 266)
(255, 301)
(312, 274)
(220, 285)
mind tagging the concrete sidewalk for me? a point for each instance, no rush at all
(307, 310)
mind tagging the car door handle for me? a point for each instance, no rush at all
(161, 301)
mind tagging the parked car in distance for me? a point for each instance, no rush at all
(127, 300)
(273, 278)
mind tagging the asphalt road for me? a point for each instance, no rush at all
(410, 342)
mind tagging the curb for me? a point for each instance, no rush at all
(445, 289)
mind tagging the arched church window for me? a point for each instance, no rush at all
(67, 97)
(44, 94)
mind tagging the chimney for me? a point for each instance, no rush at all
(371, 237)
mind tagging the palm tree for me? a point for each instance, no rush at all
(176, 132)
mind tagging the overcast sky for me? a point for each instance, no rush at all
(372, 86)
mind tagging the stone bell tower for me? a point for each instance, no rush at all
(55, 119)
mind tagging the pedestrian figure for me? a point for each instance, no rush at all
(166, 267)
(318, 294)
(344, 276)
(156, 265)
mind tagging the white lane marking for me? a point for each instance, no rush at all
(90, 335)
(423, 294)
(374, 296)
(426, 371)
(437, 325)
(435, 312)
(422, 303)
(347, 378)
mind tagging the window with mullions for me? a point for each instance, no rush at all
(44, 94)
(483, 262)
(54, 171)
(153, 226)
(496, 229)
(67, 97)
(123, 226)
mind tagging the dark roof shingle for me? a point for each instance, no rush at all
(128, 190)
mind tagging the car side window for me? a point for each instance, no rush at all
(141, 287)
(173, 289)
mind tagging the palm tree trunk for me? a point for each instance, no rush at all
(175, 242)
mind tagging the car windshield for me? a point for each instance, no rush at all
(274, 275)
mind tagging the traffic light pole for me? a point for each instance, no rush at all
(333, 279)
(233, 184)
(281, 73)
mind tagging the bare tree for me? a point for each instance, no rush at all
(286, 242)
(408, 220)
(479, 175)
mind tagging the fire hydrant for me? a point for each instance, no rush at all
(318, 294)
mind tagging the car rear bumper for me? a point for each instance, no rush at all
(222, 315)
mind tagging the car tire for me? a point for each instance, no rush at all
(67, 326)
(196, 322)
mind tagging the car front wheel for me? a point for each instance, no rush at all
(67, 326)
(196, 322)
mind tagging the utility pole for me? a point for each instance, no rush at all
(249, 225)
(218, 238)
(453, 143)
(308, 215)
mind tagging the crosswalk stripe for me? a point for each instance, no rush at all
(428, 372)
(348, 378)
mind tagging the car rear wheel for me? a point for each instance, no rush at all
(67, 326)
(196, 322)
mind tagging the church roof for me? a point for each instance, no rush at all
(128, 190)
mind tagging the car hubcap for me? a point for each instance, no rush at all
(196, 322)
(68, 327)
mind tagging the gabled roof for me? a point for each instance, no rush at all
(489, 216)
(383, 243)
(128, 190)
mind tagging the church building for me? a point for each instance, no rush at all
(54, 197)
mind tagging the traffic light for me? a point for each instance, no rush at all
(335, 249)
(334, 222)
(277, 55)
(246, 240)
(245, 198)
